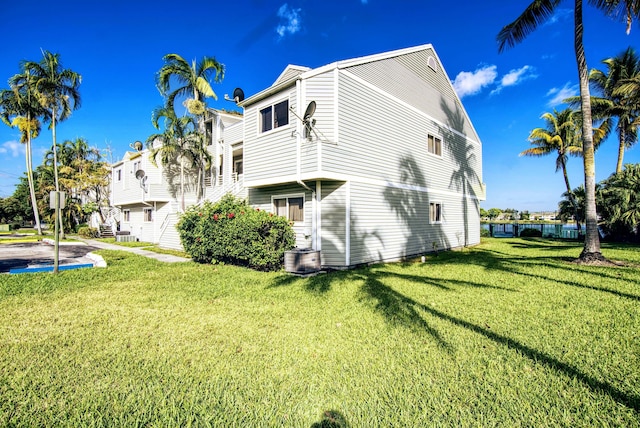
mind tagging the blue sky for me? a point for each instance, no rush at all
(117, 47)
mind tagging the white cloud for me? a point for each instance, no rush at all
(13, 148)
(515, 77)
(559, 94)
(470, 83)
(559, 15)
(290, 21)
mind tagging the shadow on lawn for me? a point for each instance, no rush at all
(404, 310)
(331, 419)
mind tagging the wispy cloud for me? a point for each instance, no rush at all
(559, 16)
(472, 82)
(290, 21)
(515, 77)
(12, 148)
(558, 95)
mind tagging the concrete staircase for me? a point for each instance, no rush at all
(106, 231)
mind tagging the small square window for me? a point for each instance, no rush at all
(291, 208)
(435, 212)
(274, 116)
(148, 214)
(434, 145)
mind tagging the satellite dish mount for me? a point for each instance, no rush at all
(142, 178)
(238, 96)
(307, 121)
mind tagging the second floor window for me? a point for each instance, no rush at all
(274, 116)
(434, 145)
(118, 175)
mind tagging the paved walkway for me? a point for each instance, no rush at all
(168, 258)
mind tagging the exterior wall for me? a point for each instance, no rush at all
(390, 223)
(262, 198)
(271, 154)
(333, 225)
(321, 89)
(145, 231)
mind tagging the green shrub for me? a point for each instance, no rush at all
(16, 226)
(530, 233)
(231, 231)
(80, 226)
(88, 232)
(485, 233)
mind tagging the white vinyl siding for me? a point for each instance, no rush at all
(271, 154)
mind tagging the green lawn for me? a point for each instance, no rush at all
(509, 333)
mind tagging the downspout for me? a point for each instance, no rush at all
(299, 161)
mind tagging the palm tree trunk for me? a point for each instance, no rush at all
(182, 181)
(623, 137)
(591, 250)
(572, 197)
(32, 189)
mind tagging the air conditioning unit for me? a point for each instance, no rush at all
(302, 261)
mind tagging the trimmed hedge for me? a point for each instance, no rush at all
(530, 233)
(88, 232)
(231, 231)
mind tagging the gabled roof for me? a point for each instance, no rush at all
(290, 73)
(294, 72)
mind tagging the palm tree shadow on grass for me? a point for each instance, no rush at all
(403, 310)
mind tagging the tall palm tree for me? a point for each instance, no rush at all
(20, 103)
(537, 13)
(613, 103)
(559, 136)
(57, 89)
(176, 138)
(194, 80)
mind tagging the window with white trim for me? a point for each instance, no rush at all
(435, 212)
(118, 174)
(290, 207)
(136, 166)
(148, 214)
(434, 145)
(126, 216)
(274, 116)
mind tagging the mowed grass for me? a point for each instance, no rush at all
(509, 333)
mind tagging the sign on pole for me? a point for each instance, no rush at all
(52, 200)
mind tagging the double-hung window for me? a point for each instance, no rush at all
(274, 116)
(434, 145)
(435, 212)
(290, 207)
(126, 216)
(148, 214)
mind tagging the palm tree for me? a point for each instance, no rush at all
(194, 80)
(537, 13)
(567, 205)
(621, 202)
(20, 103)
(176, 138)
(613, 103)
(57, 91)
(559, 136)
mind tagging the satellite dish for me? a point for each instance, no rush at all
(238, 95)
(140, 174)
(306, 120)
(136, 146)
(311, 109)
